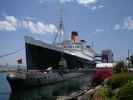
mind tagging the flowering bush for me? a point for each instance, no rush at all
(100, 75)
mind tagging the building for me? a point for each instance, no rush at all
(107, 56)
(105, 65)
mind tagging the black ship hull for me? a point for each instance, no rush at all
(41, 58)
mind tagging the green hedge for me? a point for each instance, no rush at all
(119, 80)
(126, 92)
(105, 94)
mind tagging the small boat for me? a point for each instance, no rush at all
(31, 79)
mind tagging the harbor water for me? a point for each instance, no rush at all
(49, 92)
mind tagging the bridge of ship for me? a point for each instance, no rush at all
(68, 45)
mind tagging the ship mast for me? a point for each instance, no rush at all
(60, 35)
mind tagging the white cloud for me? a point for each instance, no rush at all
(64, 1)
(117, 27)
(8, 24)
(99, 30)
(101, 6)
(81, 2)
(38, 27)
(41, 1)
(93, 8)
(128, 23)
(11, 23)
(86, 2)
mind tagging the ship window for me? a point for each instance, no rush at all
(69, 46)
(73, 46)
(77, 46)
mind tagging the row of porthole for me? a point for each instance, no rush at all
(75, 46)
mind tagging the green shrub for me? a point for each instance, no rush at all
(126, 92)
(120, 67)
(119, 80)
(105, 94)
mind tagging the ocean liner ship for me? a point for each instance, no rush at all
(71, 54)
(48, 64)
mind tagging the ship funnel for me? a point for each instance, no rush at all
(74, 37)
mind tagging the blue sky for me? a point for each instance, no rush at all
(107, 23)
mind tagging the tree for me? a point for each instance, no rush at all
(120, 67)
(130, 61)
